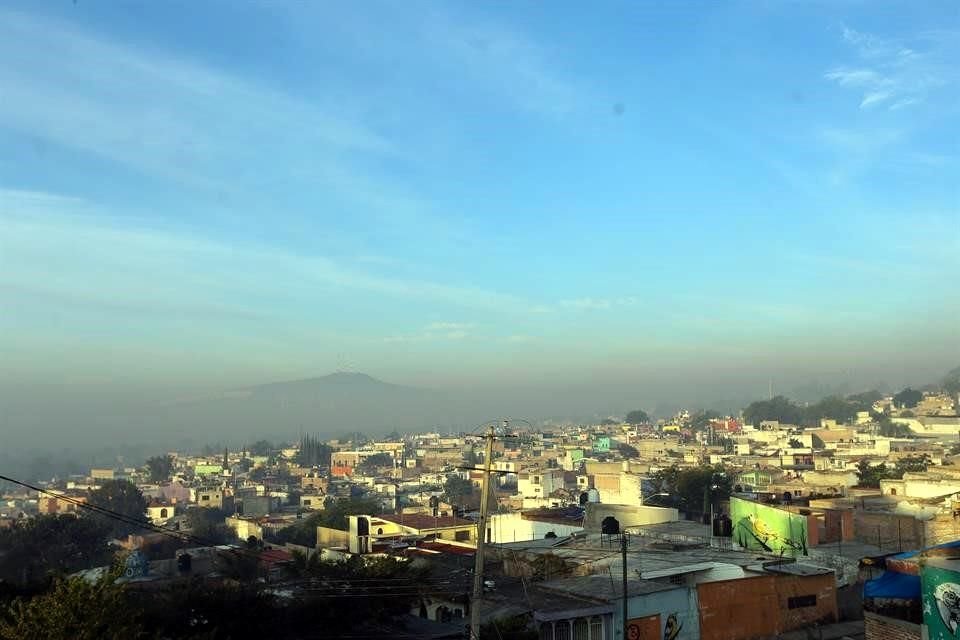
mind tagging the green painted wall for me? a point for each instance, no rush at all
(940, 590)
(762, 528)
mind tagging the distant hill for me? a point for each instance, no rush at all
(328, 405)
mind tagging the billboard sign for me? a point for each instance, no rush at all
(759, 527)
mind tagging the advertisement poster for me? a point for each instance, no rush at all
(762, 528)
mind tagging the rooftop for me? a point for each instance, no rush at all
(421, 521)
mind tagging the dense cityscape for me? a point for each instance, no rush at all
(472, 320)
(835, 516)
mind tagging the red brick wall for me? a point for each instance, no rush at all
(882, 628)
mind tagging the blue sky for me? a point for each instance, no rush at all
(445, 193)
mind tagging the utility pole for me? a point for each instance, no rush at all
(623, 556)
(481, 538)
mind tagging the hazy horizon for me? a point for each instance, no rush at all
(537, 208)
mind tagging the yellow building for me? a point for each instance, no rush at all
(371, 534)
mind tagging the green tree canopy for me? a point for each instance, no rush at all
(700, 420)
(951, 381)
(73, 609)
(262, 448)
(455, 489)
(121, 497)
(864, 401)
(778, 408)
(160, 467)
(637, 416)
(833, 407)
(371, 464)
(51, 544)
(628, 451)
(907, 398)
(692, 490)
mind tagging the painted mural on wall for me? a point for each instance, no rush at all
(646, 628)
(940, 593)
(762, 528)
(672, 628)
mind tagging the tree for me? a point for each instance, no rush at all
(700, 420)
(313, 452)
(864, 401)
(778, 408)
(833, 407)
(907, 398)
(637, 416)
(34, 548)
(209, 525)
(261, 448)
(951, 382)
(455, 489)
(795, 444)
(693, 490)
(627, 451)
(121, 497)
(335, 512)
(606, 422)
(870, 475)
(73, 609)
(372, 463)
(160, 467)
(912, 464)
(471, 458)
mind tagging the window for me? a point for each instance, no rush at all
(163, 513)
(379, 531)
(204, 498)
(461, 536)
(535, 479)
(798, 602)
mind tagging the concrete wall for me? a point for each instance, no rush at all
(512, 527)
(629, 516)
(729, 609)
(327, 537)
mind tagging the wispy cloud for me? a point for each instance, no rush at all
(436, 331)
(506, 62)
(206, 130)
(597, 304)
(53, 245)
(148, 109)
(449, 326)
(888, 73)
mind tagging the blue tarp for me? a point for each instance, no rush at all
(893, 585)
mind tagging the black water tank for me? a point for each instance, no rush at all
(610, 526)
(184, 562)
